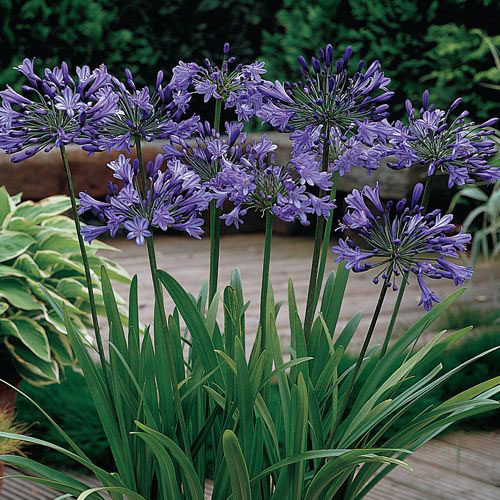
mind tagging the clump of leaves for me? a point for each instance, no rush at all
(41, 266)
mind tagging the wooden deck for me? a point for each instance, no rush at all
(464, 466)
(187, 260)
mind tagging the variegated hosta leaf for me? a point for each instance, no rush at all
(30, 333)
(54, 205)
(40, 255)
(26, 264)
(13, 244)
(16, 292)
(7, 204)
(31, 367)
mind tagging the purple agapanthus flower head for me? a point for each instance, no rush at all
(256, 182)
(358, 146)
(401, 238)
(328, 95)
(174, 199)
(56, 109)
(142, 114)
(438, 142)
(208, 150)
(232, 83)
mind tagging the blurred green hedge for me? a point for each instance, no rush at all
(420, 43)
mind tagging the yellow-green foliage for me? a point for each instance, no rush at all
(8, 424)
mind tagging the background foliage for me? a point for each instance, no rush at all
(421, 43)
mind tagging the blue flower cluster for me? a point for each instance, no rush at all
(255, 182)
(171, 199)
(401, 238)
(60, 109)
(458, 147)
(234, 84)
(141, 114)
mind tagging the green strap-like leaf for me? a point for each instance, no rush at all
(236, 466)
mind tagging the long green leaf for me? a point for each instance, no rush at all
(235, 461)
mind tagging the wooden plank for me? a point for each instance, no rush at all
(485, 443)
(435, 481)
(459, 459)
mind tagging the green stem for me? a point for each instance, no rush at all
(364, 348)
(394, 316)
(326, 241)
(160, 306)
(214, 225)
(318, 237)
(86, 266)
(427, 191)
(402, 288)
(265, 279)
(214, 250)
(217, 114)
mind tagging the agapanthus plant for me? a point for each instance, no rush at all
(232, 83)
(187, 388)
(435, 140)
(401, 238)
(57, 109)
(173, 200)
(142, 114)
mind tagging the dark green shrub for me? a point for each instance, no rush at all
(420, 43)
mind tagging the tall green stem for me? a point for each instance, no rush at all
(160, 306)
(86, 266)
(427, 191)
(364, 348)
(394, 316)
(402, 288)
(214, 225)
(265, 279)
(318, 237)
(326, 241)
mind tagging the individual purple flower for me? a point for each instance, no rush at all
(434, 140)
(59, 110)
(399, 239)
(174, 199)
(234, 84)
(328, 95)
(256, 182)
(141, 114)
(137, 229)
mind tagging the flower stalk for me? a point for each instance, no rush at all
(318, 238)
(85, 260)
(364, 348)
(265, 279)
(326, 240)
(214, 225)
(404, 282)
(160, 307)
